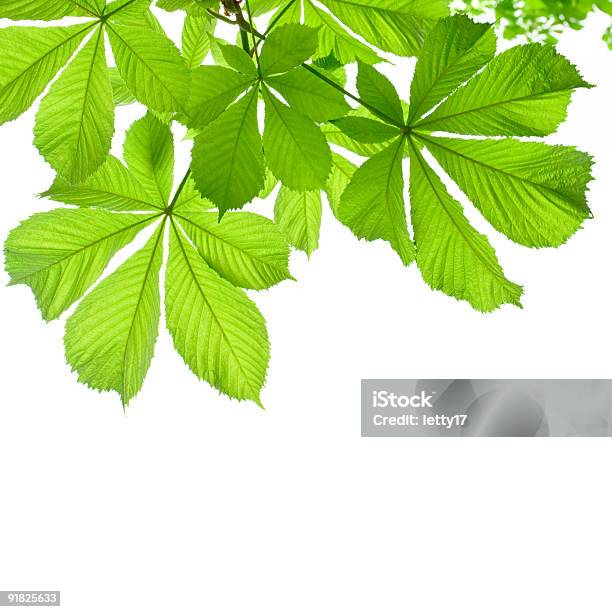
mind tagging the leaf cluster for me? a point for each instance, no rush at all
(273, 109)
(538, 20)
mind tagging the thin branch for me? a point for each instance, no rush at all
(250, 15)
(221, 17)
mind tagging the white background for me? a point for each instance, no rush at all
(191, 501)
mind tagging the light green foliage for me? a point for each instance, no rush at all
(213, 89)
(334, 40)
(364, 130)
(151, 67)
(452, 256)
(341, 175)
(309, 95)
(537, 20)
(398, 26)
(78, 245)
(459, 49)
(295, 147)
(239, 60)
(246, 249)
(43, 10)
(31, 57)
(288, 47)
(111, 336)
(378, 92)
(373, 203)
(265, 114)
(298, 214)
(232, 145)
(532, 192)
(216, 328)
(111, 187)
(75, 121)
(196, 39)
(497, 103)
(149, 153)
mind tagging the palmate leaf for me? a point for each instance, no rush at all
(267, 114)
(532, 192)
(74, 125)
(111, 335)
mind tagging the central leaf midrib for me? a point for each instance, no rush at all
(210, 309)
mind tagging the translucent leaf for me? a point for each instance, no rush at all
(287, 47)
(61, 253)
(216, 329)
(296, 150)
(522, 92)
(151, 67)
(231, 145)
(377, 90)
(121, 94)
(452, 53)
(149, 153)
(372, 205)
(75, 122)
(309, 95)
(239, 60)
(31, 57)
(299, 215)
(110, 338)
(196, 39)
(397, 26)
(213, 89)
(246, 249)
(451, 255)
(112, 187)
(40, 10)
(334, 40)
(532, 192)
(341, 175)
(366, 130)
